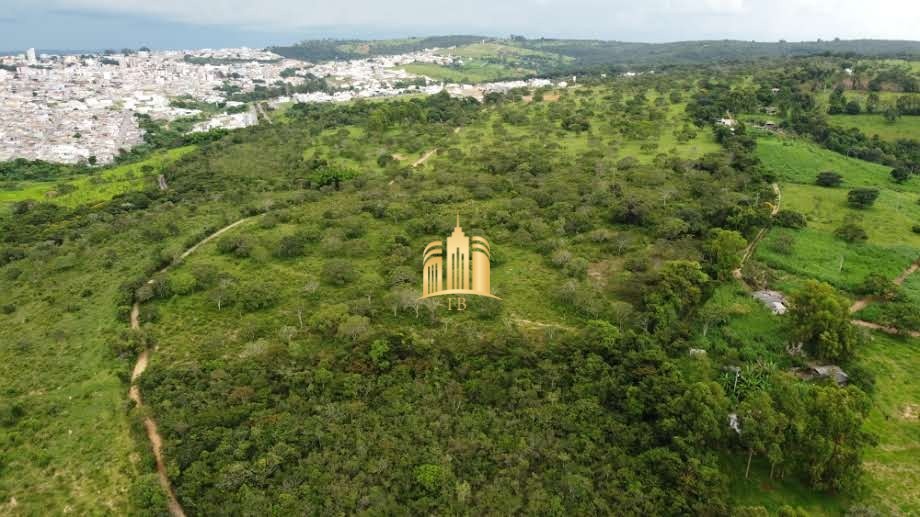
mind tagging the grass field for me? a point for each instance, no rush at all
(743, 328)
(102, 185)
(905, 127)
(493, 49)
(815, 251)
(472, 72)
(893, 466)
(888, 222)
(797, 161)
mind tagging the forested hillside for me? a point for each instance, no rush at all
(627, 369)
(586, 54)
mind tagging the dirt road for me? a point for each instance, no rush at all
(134, 393)
(864, 302)
(887, 330)
(749, 251)
(424, 158)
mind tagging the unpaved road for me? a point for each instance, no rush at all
(858, 305)
(134, 393)
(887, 330)
(862, 303)
(749, 251)
(424, 158)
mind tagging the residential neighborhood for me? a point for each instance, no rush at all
(80, 108)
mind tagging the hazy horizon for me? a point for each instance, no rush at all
(171, 24)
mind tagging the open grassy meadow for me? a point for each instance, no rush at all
(905, 127)
(467, 73)
(893, 466)
(815, 252)
(102, 185)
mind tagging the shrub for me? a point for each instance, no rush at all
(8, 255)
(900, 175)
(877, 285)
(851, 232)
(182, 283)
(829, 179)
(790, 219)
(577, 267)
(783, 244)
(627, 163)
(862, 197)
(256, 296)
(290, 246)
(338, 272)
(234, 245)
(430, 477)
(903, 316)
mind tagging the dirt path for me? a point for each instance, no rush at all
(424, 158)
(539, 324)
(858, 305)
(134, 393)
(265, 116)
(864, 302)
(749, 251)
(887, 330)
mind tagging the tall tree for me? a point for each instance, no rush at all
(762, 427)
(820, 319)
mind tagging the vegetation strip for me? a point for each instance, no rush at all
(156, 441)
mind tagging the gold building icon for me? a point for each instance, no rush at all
(461, 266)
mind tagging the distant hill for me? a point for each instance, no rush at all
(588, 53)
(594, 52)
(331, 49)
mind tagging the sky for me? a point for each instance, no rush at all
(178, 24)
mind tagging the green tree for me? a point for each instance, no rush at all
(820, 319)
(833, 440)
(829, 179)
(676, 292)
(724, 250)
(862, 197)
(851, 232)
(354, 327)
(891, 114)
(876, 284)
(900, 174)
(790, 219)
(762, 427)
(872, 102)
(338, 272)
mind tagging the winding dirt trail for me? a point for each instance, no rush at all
(424, 158)
(857, 306)
(134, 393)
(866, 301)
(887, 330)
(749, 251)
